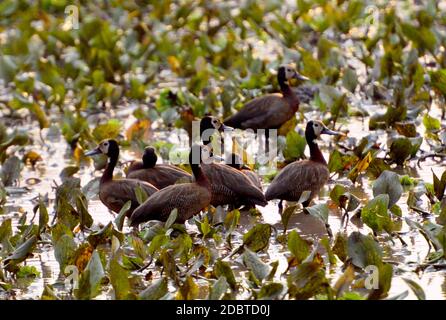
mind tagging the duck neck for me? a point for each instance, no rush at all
(315, 153)
(108, 172)
(200, 178)
(284, 86)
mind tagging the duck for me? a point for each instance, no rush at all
(304, 175)
(159, 175)
(188, 198)
(236, 162)
(210, 124)
(269, 111)
(230, 186)
(114, 193)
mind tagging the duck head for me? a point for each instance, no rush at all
(316, 128)
(288, 72)
(149, 157)
(109, 147)
(210, 122)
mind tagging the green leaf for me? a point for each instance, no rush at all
(286, 215)
(319, 211)
(388, 183)
(222, 268)
(295, 146)
(340, 246)
(350, 79)
(172, 218)
(431, 123)
(259, 269)
(64, 251)
(155, 291)
(307, 280)
(90, 279)
(189, 290)
(270, 291)
(363, 250)
(416, 288)
(85, 218)
(375, 214)
(119, 278)
(218, 289)
(43, 215)
(257, 238)
(439, 185)
(109, 130)
(21, 253)
(119, 220)
(298, 246)
(438, 80)
(141, 195)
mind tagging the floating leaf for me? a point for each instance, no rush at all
(90, 279)
(119, 278)
(259, 269)
(319, 211)
(375, 214)
(222, 268)
(307, 280)
(298, 246)
(119, 220)
(388, 183)
(419, 292)
(257, 238)
(188, 291)
(155, 291)
(363, 250)
(295, 146)
(218, 289)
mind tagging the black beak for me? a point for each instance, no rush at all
(225, 128)
(331, 132)
(298, 76)
(93, 152)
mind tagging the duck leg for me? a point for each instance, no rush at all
(280, 206)
(344, 220)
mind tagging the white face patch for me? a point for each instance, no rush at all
(104, 147)
(216, 124)
(206, 154)
(289, 72)
(317, 128)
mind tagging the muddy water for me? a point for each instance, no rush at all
(405, 259)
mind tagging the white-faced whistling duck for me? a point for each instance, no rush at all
(115, 193)
(211, 123)
(229, 186)
(270, 111)
(188, 198)
(160, 175)
(306, 175)
(236, 162)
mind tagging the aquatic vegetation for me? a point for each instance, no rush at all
(140, 73)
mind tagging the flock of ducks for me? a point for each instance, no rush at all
(218, 184)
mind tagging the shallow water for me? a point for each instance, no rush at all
(405, 259)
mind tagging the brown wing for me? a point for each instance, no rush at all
(254, 178)
(296, 178)
(116, 193)
(133, 166)
(188, 198)
(269, 111)
(229, 184)
(160, 176)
